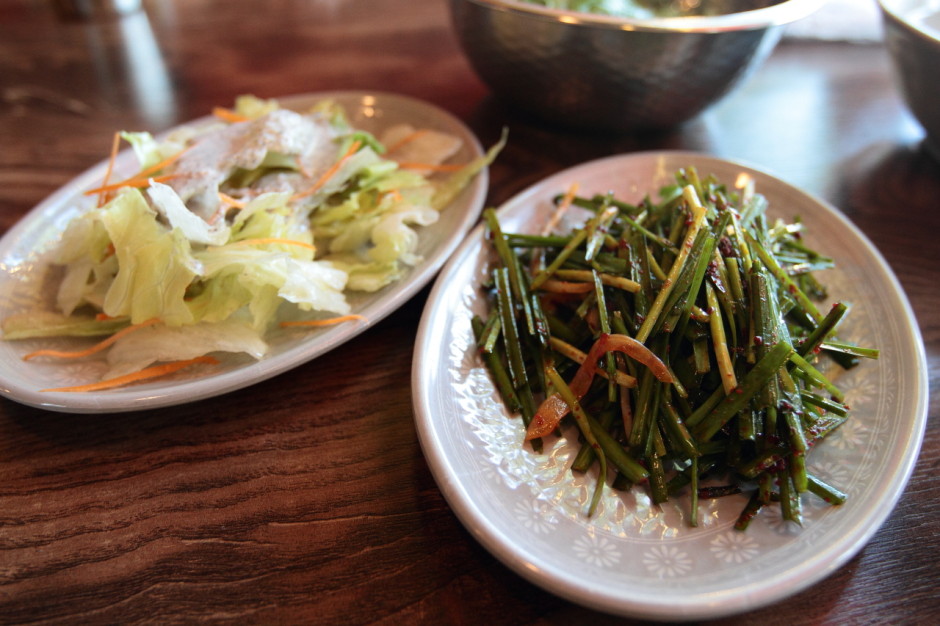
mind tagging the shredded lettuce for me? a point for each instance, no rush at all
(304, 220)
(197, 230)
(414, 145)
(51, 324)
(275, 220)
(447, 191)
(254, 107)
(367, 276)
(146, 148)
(392, 237)
(261, 279)
(152, 344)
(84, 252)
(155, 265)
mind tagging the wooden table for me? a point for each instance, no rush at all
(307, 499)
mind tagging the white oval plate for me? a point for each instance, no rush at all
(24, 260)
(633, 558)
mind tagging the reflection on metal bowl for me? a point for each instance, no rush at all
(599, 72)
(912, 35)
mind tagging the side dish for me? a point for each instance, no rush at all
(266, 217)
(681, 336)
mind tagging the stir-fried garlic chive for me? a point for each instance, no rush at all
(706, 293)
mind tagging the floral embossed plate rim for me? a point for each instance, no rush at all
(26, 248)
(633, 558)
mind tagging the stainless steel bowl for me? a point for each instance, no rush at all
(912, 35)
(603, 73)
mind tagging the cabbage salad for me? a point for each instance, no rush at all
(228, 224)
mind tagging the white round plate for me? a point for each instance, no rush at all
(633, 558)
(26, 248)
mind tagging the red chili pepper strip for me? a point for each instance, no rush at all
(554, 408)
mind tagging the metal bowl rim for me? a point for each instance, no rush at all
(890, 11)
(776, 15)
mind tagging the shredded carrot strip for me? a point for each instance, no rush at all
(230, 201)
(406, 139)
(140, 178)
(274, 240)
(229, 116)
(107, 174)
(394, 194)
(98, 347)
(329, 173)
(326, 322)
(145, 374)
(443, 167)
(130, 182)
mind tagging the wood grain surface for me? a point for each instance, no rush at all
(307, 499)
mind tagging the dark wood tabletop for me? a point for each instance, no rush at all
(307, 499)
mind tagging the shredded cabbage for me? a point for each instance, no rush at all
(197, 230)
(155, 264)
(281, 210)
(146, 346)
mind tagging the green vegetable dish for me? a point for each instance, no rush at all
(683, 338)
